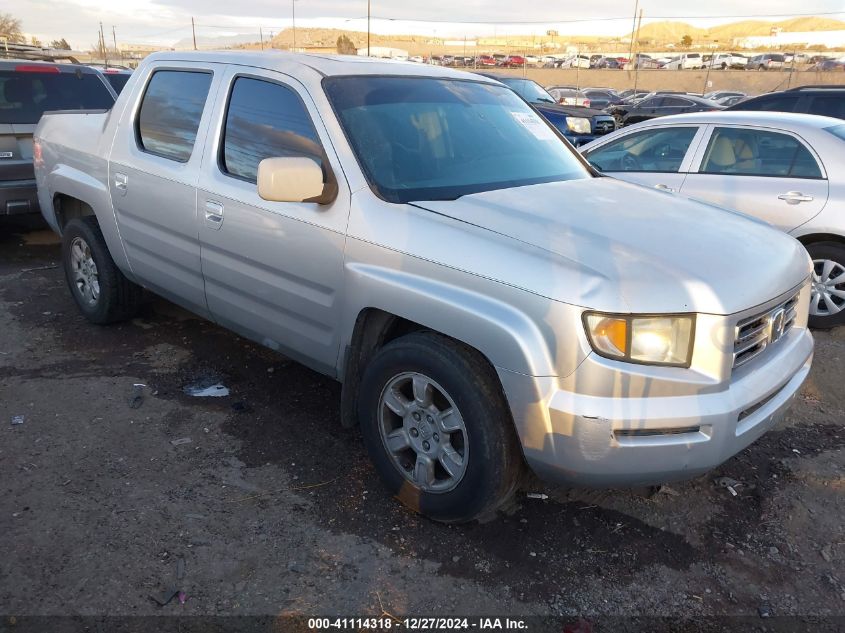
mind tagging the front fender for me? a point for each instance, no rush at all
(512, 328)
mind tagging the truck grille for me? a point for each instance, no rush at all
(754, 334)
(604, 126)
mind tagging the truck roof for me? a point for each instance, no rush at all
(326, 65)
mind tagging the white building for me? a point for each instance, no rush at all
(831, 39)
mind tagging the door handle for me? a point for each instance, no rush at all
(794, 197)
(121, 182)
(663, 187)
(213, 214)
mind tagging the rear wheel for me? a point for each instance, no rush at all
(102, 293)
(827, 305)
(438, 429)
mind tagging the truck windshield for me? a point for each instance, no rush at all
(26, 95)
(439, 139)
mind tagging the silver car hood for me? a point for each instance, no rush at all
(618, 246)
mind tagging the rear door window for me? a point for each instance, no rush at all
(171, 111)
(27, 94)
(749, 152)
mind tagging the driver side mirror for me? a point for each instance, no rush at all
(295, 179)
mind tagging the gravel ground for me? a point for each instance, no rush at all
(259, 503)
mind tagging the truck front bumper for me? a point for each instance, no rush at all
(588, 440)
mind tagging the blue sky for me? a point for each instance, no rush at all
(165, 21)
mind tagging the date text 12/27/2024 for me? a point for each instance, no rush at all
(418, 624)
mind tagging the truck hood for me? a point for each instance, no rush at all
(615, 246)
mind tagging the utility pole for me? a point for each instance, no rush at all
(368, 28)
(293, 22)
(194, 32)
(636, 62)
(105, 50)
(114, 39)
(791, 70)
(577, 68)
(261, 37)
(633, 29)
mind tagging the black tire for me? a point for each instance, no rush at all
(494, 466)
(832, 251)
(118, 298)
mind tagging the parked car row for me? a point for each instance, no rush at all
(488, 300)
(681, 61)
(631, 106)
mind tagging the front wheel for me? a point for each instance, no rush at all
(102, 293)
(827, 304)
(438, 429)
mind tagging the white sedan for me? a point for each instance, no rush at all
(784, 168)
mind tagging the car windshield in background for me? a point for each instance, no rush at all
(25, 95)
(117, 80)
(440, 139)
(528, 90)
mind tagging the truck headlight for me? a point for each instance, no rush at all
(578, 125)
(662, 339)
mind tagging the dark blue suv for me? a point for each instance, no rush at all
(578, 124)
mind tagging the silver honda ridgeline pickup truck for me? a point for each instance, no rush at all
(426, 238)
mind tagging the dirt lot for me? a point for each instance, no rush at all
(273, 508)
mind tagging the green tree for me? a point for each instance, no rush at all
(10, 28)
(345, 46)
(60, 44)
(686, 41)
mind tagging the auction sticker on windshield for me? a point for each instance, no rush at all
(535, 125)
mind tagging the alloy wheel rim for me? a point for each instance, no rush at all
(423, 432)
(86, 279)
(828, 296)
